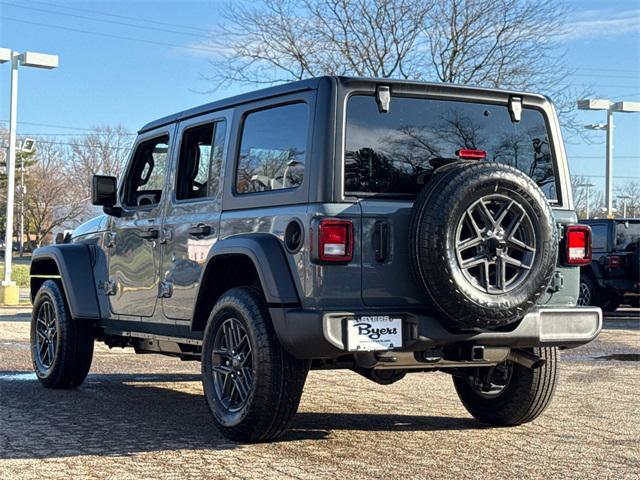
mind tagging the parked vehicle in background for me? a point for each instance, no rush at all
(613, 277)
(385, 227)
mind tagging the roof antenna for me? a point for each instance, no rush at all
(383, 98)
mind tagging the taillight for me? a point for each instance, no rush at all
(613, 261)
(469, 154)
(335, 240)
(578, 245)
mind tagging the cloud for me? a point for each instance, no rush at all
(598, 24)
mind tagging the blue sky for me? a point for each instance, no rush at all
(120, 74)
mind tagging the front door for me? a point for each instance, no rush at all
(192, 212)
(134, 255)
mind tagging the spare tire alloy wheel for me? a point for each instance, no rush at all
(495, 244)
(488, 230)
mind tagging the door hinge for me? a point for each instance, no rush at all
(110, 287)
(165, 289)
(515, 109)
(557, 283)
(166, 236)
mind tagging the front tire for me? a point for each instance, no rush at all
(520, 395)
(251, 384)
(61, 346)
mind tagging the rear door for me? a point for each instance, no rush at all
(192, 213)
(388, 160)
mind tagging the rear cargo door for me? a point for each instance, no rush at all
(390, 155)
(386, 273)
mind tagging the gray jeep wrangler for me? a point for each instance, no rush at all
(385, 227)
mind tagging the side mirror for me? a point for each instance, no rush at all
(103, 191)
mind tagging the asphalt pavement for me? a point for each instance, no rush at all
(144, 416)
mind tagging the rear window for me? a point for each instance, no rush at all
(627, 235)
(392, 153)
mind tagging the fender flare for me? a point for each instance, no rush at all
(74, 262)
(268, 257)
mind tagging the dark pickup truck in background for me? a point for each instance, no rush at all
(613, 278)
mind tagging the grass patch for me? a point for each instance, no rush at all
(19, 274)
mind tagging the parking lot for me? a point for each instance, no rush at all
(145, 417)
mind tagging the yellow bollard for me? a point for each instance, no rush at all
(9, 294)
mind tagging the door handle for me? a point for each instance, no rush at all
(381, 240)
(200, 230)
(150, 234)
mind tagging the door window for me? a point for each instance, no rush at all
(145, 179)
(273, 149)
(200, 159)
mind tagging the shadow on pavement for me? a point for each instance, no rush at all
(122, 415)
(315, 424)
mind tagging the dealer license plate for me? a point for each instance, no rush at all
(374, 332)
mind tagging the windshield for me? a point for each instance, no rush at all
(392, 153)
(627, 234)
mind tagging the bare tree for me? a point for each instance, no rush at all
(104, 151)
(52, 198)
(583, 195)
(629, 189)
(499, 43)
(280, 40)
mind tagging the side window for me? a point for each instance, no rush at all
(145, 178)
(200, 159)
(599, 237)
(273, 148)
(217, 156)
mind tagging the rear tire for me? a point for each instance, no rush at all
(251, 384)
(525, 396)
(61, 346)
(592, 295)
(588, 291)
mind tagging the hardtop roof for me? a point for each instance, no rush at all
(312, 84)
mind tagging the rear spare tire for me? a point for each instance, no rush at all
(483, 244)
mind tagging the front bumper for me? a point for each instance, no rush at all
(310, 334)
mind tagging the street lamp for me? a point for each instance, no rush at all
(588, 186)
(9, 293)
(610, 107)
(624, 199)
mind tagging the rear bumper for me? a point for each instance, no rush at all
(314, 334)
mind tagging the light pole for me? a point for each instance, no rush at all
(27, 147)
(588, 186)
(610, 107)
(624, 199)
(9, 293)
